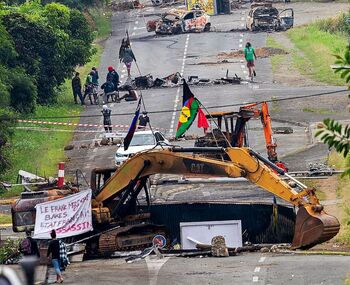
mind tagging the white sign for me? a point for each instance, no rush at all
(69, 216)
(203, 232)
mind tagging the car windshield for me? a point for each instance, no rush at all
(142, 139)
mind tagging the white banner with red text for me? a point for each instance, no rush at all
(69, 216)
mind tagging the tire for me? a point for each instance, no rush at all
(177, 30)
(207, 27)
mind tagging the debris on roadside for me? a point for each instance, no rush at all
(125, 5)
(218, 247)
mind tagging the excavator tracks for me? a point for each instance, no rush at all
(130, 237)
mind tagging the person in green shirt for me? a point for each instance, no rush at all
(249, 55)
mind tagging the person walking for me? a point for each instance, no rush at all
(113, 76)
(54, 251)
(76, 87)
(143, 120)
(249, 55)
(107, 122)
(126, 55)
(28, 246)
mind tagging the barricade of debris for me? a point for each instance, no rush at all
(122, 5)
(175, 80)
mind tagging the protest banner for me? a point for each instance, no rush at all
(69, 216)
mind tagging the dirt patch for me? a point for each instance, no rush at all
(260, 53)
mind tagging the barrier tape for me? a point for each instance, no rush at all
(81, 125)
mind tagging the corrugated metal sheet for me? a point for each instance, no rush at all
(260, 224)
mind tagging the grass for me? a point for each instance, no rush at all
(339, 162)
(277, 59)
(5, 219)
(103, 22)
(40, 151)
(318, 111)
(317, 49)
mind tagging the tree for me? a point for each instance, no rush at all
(334, 133)
(62, 41)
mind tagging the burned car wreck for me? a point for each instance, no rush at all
(178, 21)
(265, 17)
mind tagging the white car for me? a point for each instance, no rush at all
(141, 141)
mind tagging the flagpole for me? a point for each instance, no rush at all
(200, 103)
(141, 95)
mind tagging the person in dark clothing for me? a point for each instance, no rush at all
(130, 96)
(95, 76)
(143, 120)
(109, 91)
(29, 246)
(54, 250)
(113, 76)
(76, 86)
(106, 112)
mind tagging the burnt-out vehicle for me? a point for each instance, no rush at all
(177, 21)
(265, 17)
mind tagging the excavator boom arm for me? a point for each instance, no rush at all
(313, 225)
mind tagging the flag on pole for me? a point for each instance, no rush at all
(188, 111)
(202, 120)
(133, 126)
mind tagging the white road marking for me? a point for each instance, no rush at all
(242, 19)
(244, 71)
(241, 35)
(240, 40)
(133, 33)
(240, 45)
(257, 269)
(136, 22)
(135, 28)
(154, 264)
(242, 66)
(262, 259)
(241, 60)
(255, 279)
(122, 76)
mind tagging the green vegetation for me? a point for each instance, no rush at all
(9, 250)
(318, 47)
(318, 111)
(5, 219)
(40, 151)
(103, 23)
(343, 192)
(277, 59)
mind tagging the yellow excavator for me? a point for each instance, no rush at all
(115, 199)
(313, 225)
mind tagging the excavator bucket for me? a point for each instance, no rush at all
(313, 226)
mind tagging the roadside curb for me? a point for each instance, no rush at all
(316, 252)
(5, 226)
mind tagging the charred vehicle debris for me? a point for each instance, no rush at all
(177, 21)
(263, 16)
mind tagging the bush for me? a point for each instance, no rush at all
(23, 92)
(9, 250)
(336, 24)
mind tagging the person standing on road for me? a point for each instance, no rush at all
(94, 76)
(29, 246)
(108, 91)
(249, 55)
(89, 87)
(107, 122)
(126, 55)
(113, 76)
(54, 250)
(76, 87)
(143, 120)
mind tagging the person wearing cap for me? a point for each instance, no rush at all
(29, 246)
(113, 76)
(106, 112)
(143, 120)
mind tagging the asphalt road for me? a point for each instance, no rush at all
(250, 268)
